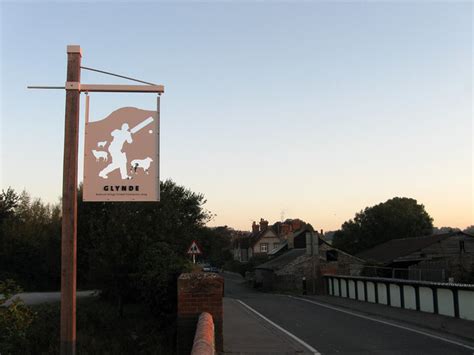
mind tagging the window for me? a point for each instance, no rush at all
(331, 255)
(462, 247)
(276, 245)
(263, 247)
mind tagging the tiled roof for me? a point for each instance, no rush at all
(251, 239)
(387, 252)
(279, 248)
(282, 260)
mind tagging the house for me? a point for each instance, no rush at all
(303, 255)
(265, 239)
(439, 257)
(261, 240)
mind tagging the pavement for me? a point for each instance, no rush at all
(247, 333)
(32, 298)
(264, 323)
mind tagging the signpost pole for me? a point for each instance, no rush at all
(69, 203)
(69, 200)
(158, 124)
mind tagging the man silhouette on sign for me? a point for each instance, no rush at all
(119, 158)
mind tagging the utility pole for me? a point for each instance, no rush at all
(69, 203)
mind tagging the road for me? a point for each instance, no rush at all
(334, 330)
(32, 298)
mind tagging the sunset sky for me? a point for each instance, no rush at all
(272, 109)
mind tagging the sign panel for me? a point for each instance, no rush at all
(194, 249)
(121, 157)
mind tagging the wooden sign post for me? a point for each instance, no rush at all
(69, 203)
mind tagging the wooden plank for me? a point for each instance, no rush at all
(122, 88)
(69, 207)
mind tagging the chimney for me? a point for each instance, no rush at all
(291, 240)
(312, 243)
(263, 224)
(255, 227)
(296, 224)
(285, 229)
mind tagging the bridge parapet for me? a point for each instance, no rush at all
(198, 293)
(204, 340)
(454, 300)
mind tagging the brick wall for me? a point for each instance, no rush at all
(197, 293)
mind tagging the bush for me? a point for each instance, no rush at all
(99, 331)
(159, 269)
(15, 319)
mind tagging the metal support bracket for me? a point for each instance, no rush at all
(73, 85)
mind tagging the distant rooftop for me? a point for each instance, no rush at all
(282, 260)
(386, 252)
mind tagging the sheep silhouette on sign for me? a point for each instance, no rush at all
(141, 163)
(100, 154)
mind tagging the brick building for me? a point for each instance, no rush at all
(304, 254)
(263, 239)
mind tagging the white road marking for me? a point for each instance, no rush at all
(385, 322)
(309, 347)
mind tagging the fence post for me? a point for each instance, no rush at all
(455, 302)
(434, 290)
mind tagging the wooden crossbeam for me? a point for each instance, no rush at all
(75, 86)
(122, 88)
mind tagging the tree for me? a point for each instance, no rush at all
(399, 217)
(8, 203)
(443, 230)
(30, 234)
(118, 241)
(215, 244)
(469, 230)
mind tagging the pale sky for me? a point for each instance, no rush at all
(313, 110)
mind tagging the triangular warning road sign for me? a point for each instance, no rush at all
(194, 249)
